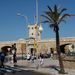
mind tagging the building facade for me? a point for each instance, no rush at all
(38, 46)
(34, 43)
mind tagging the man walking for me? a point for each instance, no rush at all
(2, 58)
(14, 49)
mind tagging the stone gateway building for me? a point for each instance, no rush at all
(40, 46)
(34, 43)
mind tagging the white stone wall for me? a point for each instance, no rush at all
(42, 45)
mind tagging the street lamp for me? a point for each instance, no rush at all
(26, 18)
(40, 27)
(19, 14)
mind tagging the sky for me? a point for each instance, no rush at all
(14, 27)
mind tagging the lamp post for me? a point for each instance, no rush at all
(40, 27)
(26, 18)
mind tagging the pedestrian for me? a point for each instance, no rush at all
(41, 61)
(14, 59)
(2, 58)
(14, 49)
(28, 57)
(52, 52)
(32, 58)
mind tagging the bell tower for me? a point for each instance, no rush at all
(34, 31)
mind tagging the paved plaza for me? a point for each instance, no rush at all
(50, 66)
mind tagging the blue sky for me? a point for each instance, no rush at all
(13, 27)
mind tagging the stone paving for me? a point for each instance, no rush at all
(46, 68)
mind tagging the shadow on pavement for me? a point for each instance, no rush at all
(53, 67)
(26, 72)
(21, 66)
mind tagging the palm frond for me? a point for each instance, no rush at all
(64, 9)
(61, 21)
(46, 18)
(50, 9)
(50, 15)
(45, 21)
(55, 9)
(51, 25)
(63, 17)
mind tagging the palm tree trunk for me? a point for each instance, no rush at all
(59, 52)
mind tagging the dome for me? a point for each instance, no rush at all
(21, 40)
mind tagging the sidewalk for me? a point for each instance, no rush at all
(25, 65)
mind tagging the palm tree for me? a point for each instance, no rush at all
(54, 16)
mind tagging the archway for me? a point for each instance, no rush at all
(63, 46)
(6, 49)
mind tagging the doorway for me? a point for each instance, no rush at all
(32, 51)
